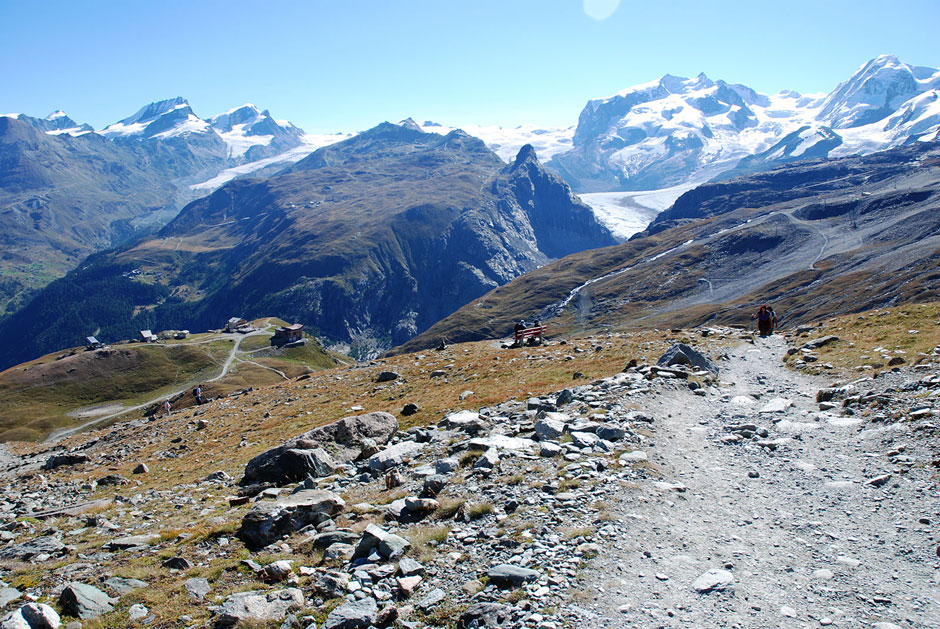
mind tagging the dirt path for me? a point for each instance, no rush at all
(807, 541)
(60, 434)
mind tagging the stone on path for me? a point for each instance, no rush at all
(85, 601)
(713, 580)
(682, 354)
(777, 405)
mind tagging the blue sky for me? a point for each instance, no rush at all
(345, 66)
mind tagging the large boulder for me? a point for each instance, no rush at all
(682, 354)
(355, 615)
(32, 616)
(268, 521)
(47, 545)
(316, 452)
(85, 601)
(258, 607)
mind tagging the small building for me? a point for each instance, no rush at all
(181, 334)
(234, 323)
(288, 335)
(147, 336)
(92, 343)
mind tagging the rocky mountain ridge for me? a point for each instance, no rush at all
(368, 241)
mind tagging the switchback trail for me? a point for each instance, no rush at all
(807, 541)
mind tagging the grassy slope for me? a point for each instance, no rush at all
(263, 418)
(38, 397)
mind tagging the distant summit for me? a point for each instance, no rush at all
(679, 131)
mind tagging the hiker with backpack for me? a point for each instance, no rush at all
(766, 320)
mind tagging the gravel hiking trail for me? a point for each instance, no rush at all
(806, 541)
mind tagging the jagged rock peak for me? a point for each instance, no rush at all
(525, 155)
(409, 123)
(156, 109)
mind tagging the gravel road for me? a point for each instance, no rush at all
(807, 541)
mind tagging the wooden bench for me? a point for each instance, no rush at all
(533, 332)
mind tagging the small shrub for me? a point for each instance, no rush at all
(479, 510)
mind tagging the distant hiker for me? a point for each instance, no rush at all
(536, 339)
(773, 319)
(765, 320)
(197, 393)
(442, 346)
(167, 408)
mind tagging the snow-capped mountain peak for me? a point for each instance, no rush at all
(165, 118)
(875, 91)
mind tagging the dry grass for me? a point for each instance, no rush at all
(479, 510)
(869, 340)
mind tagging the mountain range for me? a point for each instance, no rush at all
(67, 190)
(814, 238)
(678, 131)
(368, 241)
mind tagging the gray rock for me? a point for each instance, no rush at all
(47, 545)
(713, 580)
(8, 595)
(85, 601)
(433, 598)
(409, 410)
(584, 439)
(480, 615)
(507, 575)
(355, 615)
(177, 563)
(342, 440)
(330, 584)
(393, 456)
(14, 620)
(198, 587)
(550, 449)
(682, 354)
(125, 586)
(820, 342)
(550, 428)
(336, 536)
(40, 616)
(370, 540)
(409, 567)
(132, 542)
(393, 546)
(447, 466)
(488, 460)
(565, 397)
(69, 458)
(113, 480)
(611, 433)
(137, 611)
(465, 421)
(433, 485)
(266, 522)
(218, 476)
(387, 376)
(257, 606)
(141, 469)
